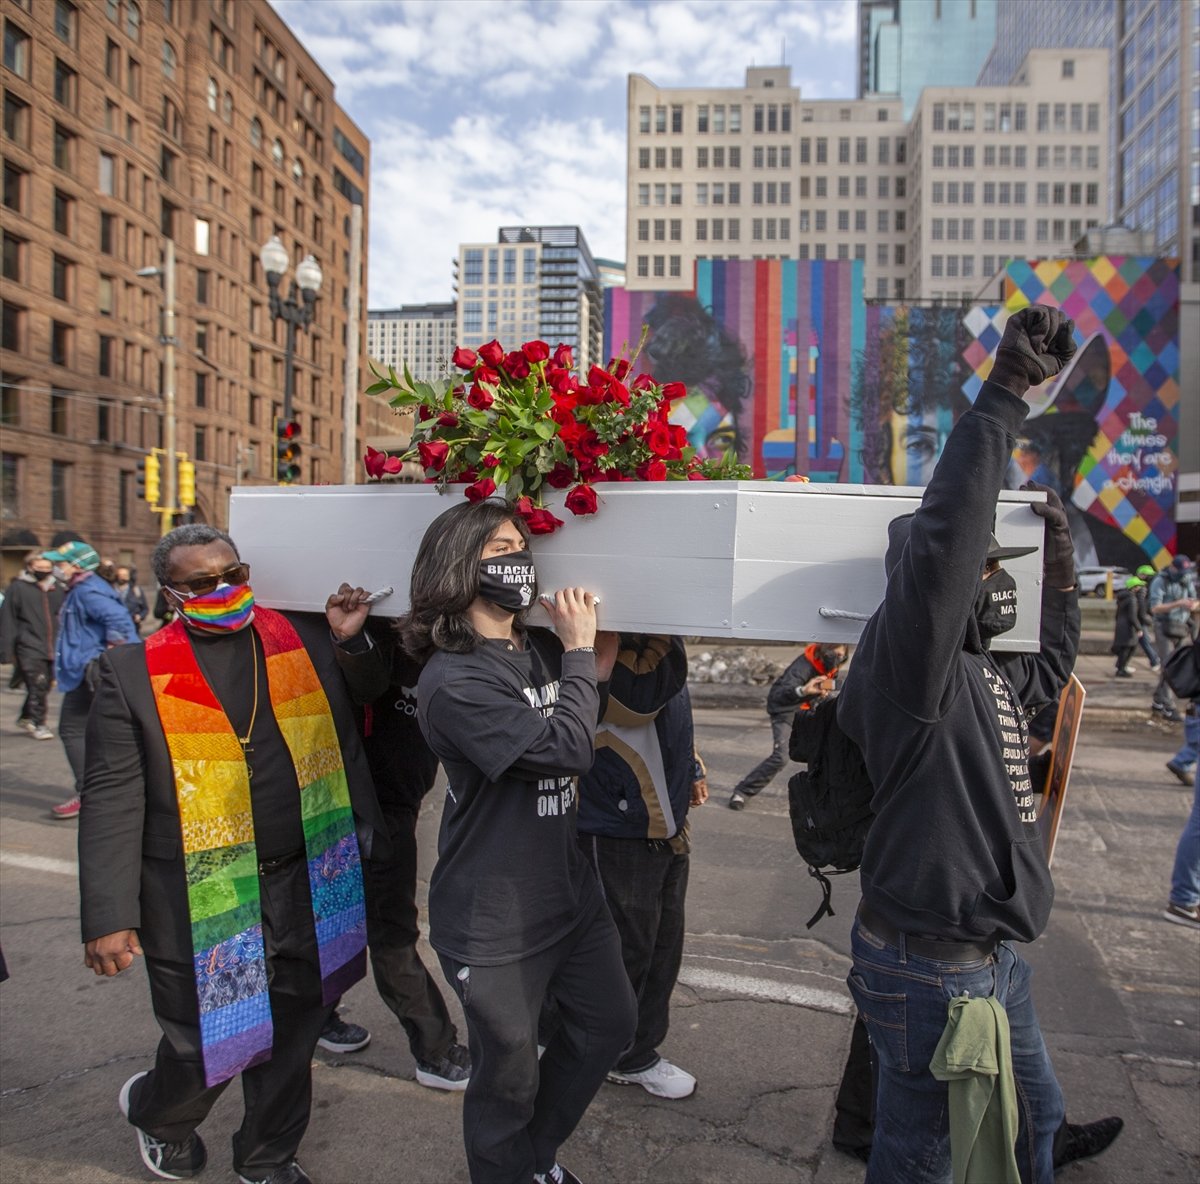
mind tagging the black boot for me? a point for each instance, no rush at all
(1074, 1141)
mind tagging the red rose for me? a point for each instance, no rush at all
(424, 413)
(479, 398)
(516, 365)
(678, 435)
(562, 382)
(447, 419)
(560, 476)
(581, 500)
(643, 382)
(379, 463)
(535, 351)
(658, 440)
(542, 522)
(488, 375)
(464, 359)
(590, 447)
(617, 393)
(572, 433)
(652, 470)
(563, 357)
(696, 475)
(466, 477)
(483, 488)
(490, 460)
(434, 454)
(619, 368)
(598, 377)
(592, 396)
(492, 354)
(673, 390)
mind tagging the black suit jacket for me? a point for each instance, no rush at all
(131, 872)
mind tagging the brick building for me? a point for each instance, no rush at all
(126, 122)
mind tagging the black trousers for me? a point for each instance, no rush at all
(37, 674)
(72, 728)
(645, 884)
(404, 983)
(518, 1111)
(173, 1100)
(764, 772)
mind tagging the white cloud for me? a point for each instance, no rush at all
(483, 113)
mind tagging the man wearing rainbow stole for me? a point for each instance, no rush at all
(226, 805)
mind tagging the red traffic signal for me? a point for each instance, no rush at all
(287, 451)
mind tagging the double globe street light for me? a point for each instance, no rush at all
(297, 313)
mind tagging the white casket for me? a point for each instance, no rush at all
(759, 560)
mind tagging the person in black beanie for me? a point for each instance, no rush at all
(953, 870)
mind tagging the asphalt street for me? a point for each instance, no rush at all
(761, 1015)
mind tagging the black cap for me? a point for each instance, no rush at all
(995, 551)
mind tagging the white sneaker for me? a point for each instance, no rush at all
(663, 1080)
(41, 732)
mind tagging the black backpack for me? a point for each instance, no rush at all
(830, 802)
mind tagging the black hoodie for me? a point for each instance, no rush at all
(954, 851)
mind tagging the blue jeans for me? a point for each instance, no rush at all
(1187, 754)
(904, 1000)
(1185, 878)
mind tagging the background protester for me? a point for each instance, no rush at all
(1172, 603)
(92, 620)
(131, 594)
(28, 629)
(226, 802)
(515, 912)
(808, 680)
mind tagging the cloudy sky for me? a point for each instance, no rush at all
(488, 113)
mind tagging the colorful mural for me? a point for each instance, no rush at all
(789, 366)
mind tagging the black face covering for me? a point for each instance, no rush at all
(996, 605)
(508, 581)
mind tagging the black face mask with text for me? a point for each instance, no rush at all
(996, 605)
(508, 581)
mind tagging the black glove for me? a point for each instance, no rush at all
(1059, 563)
(1037, 343)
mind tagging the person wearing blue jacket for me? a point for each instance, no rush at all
(633, 806)
(91, 620)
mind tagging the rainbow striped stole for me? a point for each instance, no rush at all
(212, 786)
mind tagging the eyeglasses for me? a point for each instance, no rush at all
(201, 585)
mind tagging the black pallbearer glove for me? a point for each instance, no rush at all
(1059, 563)
(1037, 343)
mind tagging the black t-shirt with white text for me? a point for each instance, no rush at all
(513, 728)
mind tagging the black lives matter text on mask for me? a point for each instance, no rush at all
(1015, 739)
(555, 795)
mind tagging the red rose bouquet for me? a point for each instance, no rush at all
(517, 423)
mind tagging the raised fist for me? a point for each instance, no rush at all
(1059, 563)
(1037, 343)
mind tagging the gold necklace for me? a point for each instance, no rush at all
(244, 741)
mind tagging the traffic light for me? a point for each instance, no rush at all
(187, 483)
(148, 477)
(287, 451)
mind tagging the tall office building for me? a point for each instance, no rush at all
(1154, 99)
(933, 208)
(908, 45)
(127, 123)
(533, 282)
(419, 336)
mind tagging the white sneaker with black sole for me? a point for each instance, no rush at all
(169, 1161)
(662, 1079)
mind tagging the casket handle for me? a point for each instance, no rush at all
(843, 614)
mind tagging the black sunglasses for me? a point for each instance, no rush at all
(201, 585)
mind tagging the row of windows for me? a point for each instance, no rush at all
(1005, 193)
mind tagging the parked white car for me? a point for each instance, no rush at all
(1094, 580)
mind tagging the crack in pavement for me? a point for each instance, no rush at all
(16, 1091)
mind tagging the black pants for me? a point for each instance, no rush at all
(37, 674)
(516, 1111)
(854, 1109)
(173, 1100)
(404, 983)
(72, 728)
(645, 884)
(764, 772)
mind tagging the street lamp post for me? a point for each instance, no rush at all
(297, 310)
(168, 341)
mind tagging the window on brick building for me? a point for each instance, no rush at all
(60, 472)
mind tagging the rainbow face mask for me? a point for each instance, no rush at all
(225, 609)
